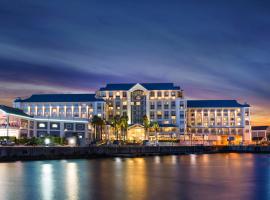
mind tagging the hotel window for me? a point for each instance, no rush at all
(117, 104)
(166, 93)
(124, 94)
(99, 106)
(173, 105)
(159, 115)
(166, 105)
(103, 93)
(172, 113)
(182, 114)
(152, 94)
(173, 93)
(159, 105)
(54, 111)
(42, 125)
(181, 104)
(166, 115)
(179, 94)
(110, 94)
(152, 105)
(159, 94)
(152, 115)
(124, 113)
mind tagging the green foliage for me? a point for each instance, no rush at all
(13, 139)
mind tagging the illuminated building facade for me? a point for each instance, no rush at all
(62, 114)
(218, 121)
(15, 123)
(260, 133)
(160, 102)
(211, 121)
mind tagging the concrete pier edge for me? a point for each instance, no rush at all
(52, 153)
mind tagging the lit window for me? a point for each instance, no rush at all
(54, 125)
(41, 125)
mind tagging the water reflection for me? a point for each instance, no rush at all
(47, 181)
(72, 181)
(213, 176)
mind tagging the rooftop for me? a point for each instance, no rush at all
(214, 104)
(259, 128)
(148, 86)
(60, 98)
(13, 111)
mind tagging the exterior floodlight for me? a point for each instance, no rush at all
(47, 141)
(72, 141)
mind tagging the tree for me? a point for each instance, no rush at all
(115, 123)
(146, 124)
(98, 124)
(101, 124)
(124, 125)
(155, 126)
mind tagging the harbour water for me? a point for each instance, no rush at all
(206, 176)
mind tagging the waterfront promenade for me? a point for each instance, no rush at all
(44, 153)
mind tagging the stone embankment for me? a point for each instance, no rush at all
(44, 153)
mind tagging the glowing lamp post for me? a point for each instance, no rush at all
(47, 141)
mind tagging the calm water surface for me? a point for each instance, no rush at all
(216, 176)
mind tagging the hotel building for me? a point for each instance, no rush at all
(212, 121)
(62, 115)
(15, 123)
(260, 133)
(160, 102)
(218, 121)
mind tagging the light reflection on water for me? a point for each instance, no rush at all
(208, 176)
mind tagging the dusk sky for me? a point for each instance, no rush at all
(212, 49)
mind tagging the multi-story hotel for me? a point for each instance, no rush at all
(160, 102)
(62, 114)
(218, 121)
(215, 121)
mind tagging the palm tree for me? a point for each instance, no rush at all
(115, 123)
(146, 124)
(101, 124)
(155, 126)
(95, 122)
(124, 125)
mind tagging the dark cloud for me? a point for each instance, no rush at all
(213, 49)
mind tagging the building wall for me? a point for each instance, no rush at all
(70, 110)
(15, 126)
(219, 121)
(61, 128)
(162, 106)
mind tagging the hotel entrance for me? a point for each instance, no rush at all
(136, 133)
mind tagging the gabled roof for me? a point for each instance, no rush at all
(214, 104)
(13, 111)
(259, 128)
(148, 86)
(60, 98)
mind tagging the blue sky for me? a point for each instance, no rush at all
(212, 49)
